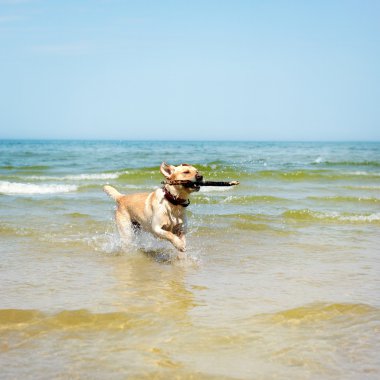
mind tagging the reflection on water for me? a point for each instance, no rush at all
(144, 284)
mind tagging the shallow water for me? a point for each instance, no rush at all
(281, 279)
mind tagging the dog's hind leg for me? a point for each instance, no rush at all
(124, 225)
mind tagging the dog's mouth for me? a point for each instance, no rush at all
(198, 178)
(194, 186)
(190, 184)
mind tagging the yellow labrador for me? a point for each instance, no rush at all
(161, 212)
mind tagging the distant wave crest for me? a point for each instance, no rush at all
(80, 177)
(30, 188)
(320, 160)
(306, 214)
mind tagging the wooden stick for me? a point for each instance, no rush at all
(217, 183)
(201, 183)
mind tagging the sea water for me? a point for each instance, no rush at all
(281, 279)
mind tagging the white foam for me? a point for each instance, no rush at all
(364, 187)
(364, 173)
(348, 218)
(228, 199)
(211, 189)
(31, 188)
(361, 218)
(94, 176)
(80, 177)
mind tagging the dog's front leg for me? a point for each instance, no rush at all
(179, 243)
(182, 237)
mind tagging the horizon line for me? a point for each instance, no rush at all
(187, 140)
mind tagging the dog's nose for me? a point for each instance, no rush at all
(199, 177)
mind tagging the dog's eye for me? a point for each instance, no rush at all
(186, 172)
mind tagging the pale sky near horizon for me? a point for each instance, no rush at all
(185, 70)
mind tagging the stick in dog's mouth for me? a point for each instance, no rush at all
(190, 184)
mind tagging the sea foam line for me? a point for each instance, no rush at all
(364, 173)
(305, 214)
(30, 188)
(211, 189)
(79, 177)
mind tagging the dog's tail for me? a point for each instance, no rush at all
(112, 192)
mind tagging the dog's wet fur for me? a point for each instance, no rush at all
(154, 212)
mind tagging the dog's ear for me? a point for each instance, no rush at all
(167, 170)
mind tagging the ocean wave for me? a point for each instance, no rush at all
(322, 312)
(30, 188)
(11, 230)
(291, 175)
(79, 177)
(320, 161)
(77, 215)
(236, 199)
(94, 176)
(247, 217)
(346, 199)
(364, 173)
(212, 189)
(67, 319)
(302, 175)
(362, 187)
(253, 226)
(306, 214)
(25, 167)
(122, 188)
(246, 199)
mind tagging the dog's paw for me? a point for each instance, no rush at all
(181, 256)
(181, 248)
(180, 245)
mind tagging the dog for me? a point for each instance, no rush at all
(161, 212)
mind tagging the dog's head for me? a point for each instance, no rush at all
(183, 172)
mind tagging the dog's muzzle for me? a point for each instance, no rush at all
(198, 178)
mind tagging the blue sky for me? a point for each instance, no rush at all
(244, 70)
